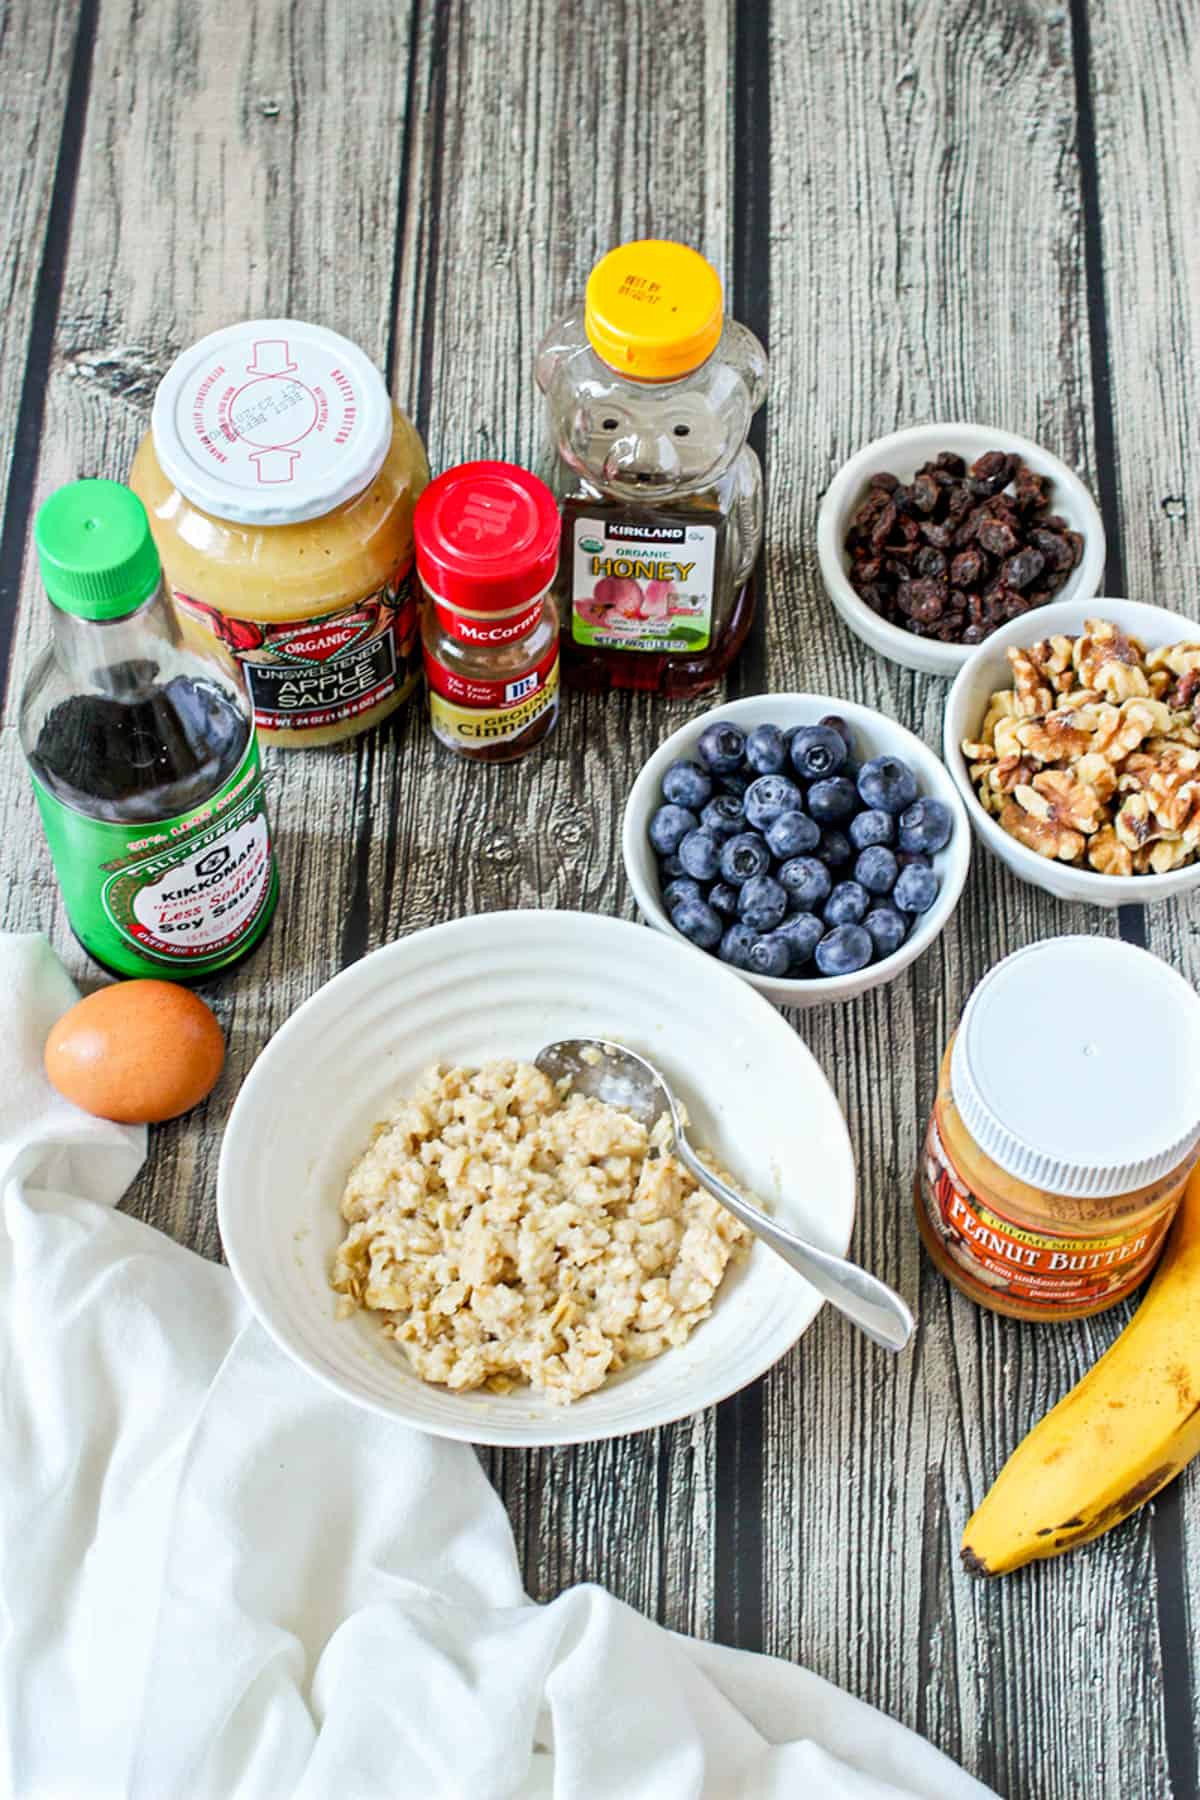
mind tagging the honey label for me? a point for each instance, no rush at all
(470, 714)
(641, 584)
(1052, 1272)
(312, 673)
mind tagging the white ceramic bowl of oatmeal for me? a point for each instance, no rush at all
(989, 671)
(502, 985)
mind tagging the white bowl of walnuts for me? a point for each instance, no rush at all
(1073, 737)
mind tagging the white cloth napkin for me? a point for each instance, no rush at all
(217, 1580)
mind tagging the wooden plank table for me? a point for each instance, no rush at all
(982, 210)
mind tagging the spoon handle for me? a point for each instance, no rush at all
(871, 1304)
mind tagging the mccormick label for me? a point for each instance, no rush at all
(181, 896)
(639, 584)
(1041, 1269)
(470, 714)
(312, 673)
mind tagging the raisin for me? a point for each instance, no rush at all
(887, 483)
(925, 493)
(882, 528)
(967, 567)
(989, 472)
(1029, 490)
(940, 536)
(996, 537)
(953, 465)
(930, 563)
(1021, 570)
(1054, 548)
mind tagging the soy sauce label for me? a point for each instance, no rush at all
(186, 894)
(641, 584)
(312, 673)
(1050, 1271)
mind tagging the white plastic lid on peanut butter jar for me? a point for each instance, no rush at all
(1076, 1067)
(271, 422)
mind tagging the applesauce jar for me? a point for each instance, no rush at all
(1066, 1124)
(280, 483)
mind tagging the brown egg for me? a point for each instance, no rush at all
(136, 1052)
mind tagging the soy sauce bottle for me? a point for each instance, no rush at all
(143, 756)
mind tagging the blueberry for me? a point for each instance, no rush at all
(833, 800)
(687, 784)
(770, 955)
(887, 783)
(720, 747)
(834, 848)
(872, 827)
(736, 782)
(683, 888)
(840, 726)
(770, 796)
(669, 868)
(723, 899)
(806, 881)
(743, 857)
(803, 932)
(698, 922)
(912, 859)
(723, 817)
(669, 826)
(842, 951)
(818, 751)
(735, 946)
(763, 903)
(916, 889)
(876, 869)
(792, 834)
(700, 855)
(887, 929)
(766, 751)
(847, 904)
(926, 826)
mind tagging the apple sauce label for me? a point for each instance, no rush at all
(311, 673)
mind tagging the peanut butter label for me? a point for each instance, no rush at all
(308, 674)
(1052, 1272)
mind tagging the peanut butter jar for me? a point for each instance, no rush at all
(280, 482)
(1066, 1123)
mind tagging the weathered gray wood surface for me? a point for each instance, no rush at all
(981, 210)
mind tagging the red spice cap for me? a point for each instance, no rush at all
(487, 536)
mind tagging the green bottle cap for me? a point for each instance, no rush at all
(94, 545)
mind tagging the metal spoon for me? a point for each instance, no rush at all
(609, 1072)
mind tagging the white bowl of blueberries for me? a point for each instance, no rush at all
(813, 845)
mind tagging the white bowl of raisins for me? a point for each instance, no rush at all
(934, 537)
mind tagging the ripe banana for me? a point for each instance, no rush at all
(1119, 1436)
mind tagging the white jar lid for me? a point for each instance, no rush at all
(271, 422)
(1077, 1066)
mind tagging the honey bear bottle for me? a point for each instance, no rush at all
(650, 391)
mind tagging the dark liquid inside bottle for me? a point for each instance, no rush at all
(144, 752)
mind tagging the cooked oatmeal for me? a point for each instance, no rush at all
(510, 1231)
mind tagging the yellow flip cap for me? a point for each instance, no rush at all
(654, 309)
